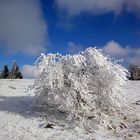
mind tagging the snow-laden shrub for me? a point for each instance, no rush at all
(87, 86)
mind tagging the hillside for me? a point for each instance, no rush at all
(21, 119)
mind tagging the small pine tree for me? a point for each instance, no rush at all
(19, 75)
(15, 72)
(134, 71)
(0, 75)
(5, 72)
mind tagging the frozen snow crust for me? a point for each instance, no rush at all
(87, 86)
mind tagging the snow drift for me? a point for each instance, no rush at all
(88, 86)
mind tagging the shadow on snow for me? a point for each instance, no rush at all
(25, 106)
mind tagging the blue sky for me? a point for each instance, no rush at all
(30, 27)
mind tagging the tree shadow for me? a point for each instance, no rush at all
(26, 107)
(21, 105)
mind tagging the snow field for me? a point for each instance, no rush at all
(21, 119)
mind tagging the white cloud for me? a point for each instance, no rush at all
(133, 6)
(76, 7)
(28, 71)
(74, 48)
(129, 54)
(136, 57)
(22, 28)
(114, 49)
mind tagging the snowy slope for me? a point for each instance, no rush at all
(21, 119)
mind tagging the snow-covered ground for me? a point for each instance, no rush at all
(21, 119)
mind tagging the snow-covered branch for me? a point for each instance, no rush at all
(87, 85)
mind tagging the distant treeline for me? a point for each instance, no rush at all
(14, 73)
(134, 71)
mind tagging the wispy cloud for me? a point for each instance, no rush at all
(77, 7)
(74, 48)
(22, 28)
(133, 6)
(115, 49)
(128, 54)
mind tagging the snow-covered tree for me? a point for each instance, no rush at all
(87, 86)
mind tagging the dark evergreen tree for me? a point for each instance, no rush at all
(0, 75)
(5, 72)
(19, 75)
(134, 71)
(15, 72)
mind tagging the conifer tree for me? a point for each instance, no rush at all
(15, 72)
(19, 75)
(134, 71)
(5, 72)
(0, 75)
